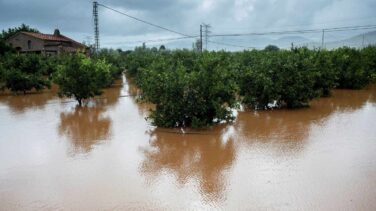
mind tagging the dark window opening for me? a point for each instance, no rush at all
(29, 44)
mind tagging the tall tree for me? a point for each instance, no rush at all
(12, 31)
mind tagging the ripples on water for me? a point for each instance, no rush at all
(54, 155)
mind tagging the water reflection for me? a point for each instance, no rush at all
(85, 127)
(143, 107)
(90, 125)
(206, 158)
(346, 100)
(200, 158)
(110, 96)
(21, 103)
(294, 125)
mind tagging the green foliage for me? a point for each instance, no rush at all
(369, 61)
(271, 48)
(192, 89)
(256, 80)
(113, 57)
(285, 77)
(23, 73)
(4, 35)
(325, 75)
(4, 48)
(138, 59)
(189, 96)
(351, 72)
(295, 78)
(162, 48)
(82, 78)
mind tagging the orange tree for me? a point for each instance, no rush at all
(82, 78)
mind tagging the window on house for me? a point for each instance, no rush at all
(29, 44)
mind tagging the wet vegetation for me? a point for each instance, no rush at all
(192, 89)
(81, 77)
(22, 73)
(192, 92)
(77, 75)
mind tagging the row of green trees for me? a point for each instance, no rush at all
(192, 89)
(22, 73)
(77, 75)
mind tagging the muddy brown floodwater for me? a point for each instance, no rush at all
(107, 157)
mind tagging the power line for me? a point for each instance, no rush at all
(159, 40)
(228, 44)
(314, 24)
(147, 22)
(207, 32)
(347, 28)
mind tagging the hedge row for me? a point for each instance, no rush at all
(192, 89)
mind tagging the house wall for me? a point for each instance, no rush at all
(21, 41)
(49, 47)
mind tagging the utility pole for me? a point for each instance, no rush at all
(201, 38)
(363, 41)
(207, 32)
(96, 27)
(322, 39)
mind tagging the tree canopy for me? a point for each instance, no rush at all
(12, 31)
(81, 77)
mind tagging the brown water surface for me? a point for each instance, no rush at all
(105, 156)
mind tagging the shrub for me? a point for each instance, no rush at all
(82, 78)
(193, 89)
(294, 77)
(256, 84)
(325, 76)
(25, 72)
(350, 70)
(189, 96)
(285, 77)
(113, 57)
(271, 48)
(369, 61)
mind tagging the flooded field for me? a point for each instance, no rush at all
(107, 157)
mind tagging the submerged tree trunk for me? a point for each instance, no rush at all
(79, 102)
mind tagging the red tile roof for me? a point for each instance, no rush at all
(46, 36)
(52, 37)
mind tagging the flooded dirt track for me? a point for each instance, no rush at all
(107, 157)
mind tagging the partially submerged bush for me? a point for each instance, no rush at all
(82, 78)
(23, 73)
(351, 72)
(187, 86)
(285, 78)
(197, 96)
(369, 61)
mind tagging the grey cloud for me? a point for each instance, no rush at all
(74, 17)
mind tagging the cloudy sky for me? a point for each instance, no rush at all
(74, 19)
